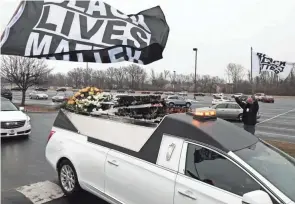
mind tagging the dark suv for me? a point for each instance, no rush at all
(6, 93)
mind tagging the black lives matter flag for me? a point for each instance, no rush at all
(261, 63)
(85, 31)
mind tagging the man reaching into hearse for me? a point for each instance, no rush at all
(250, 110)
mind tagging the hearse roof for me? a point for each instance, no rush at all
(144, 142)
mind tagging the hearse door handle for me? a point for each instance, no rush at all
(188, 194)
(114, 162)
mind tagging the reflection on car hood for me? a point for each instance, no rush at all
(12, 116)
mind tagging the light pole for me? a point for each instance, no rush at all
(196, 51)
(174, 76)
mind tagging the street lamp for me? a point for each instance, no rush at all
(174, 76)
(196, 51)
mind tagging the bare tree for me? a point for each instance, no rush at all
(76, 77)
(235, 73)
(24, 72)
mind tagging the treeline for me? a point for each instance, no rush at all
(133, 77)
(267, 82)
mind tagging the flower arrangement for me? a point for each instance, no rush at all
(85, 100)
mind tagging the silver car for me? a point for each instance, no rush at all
(38, 95)
(230, 111)
(177, 101)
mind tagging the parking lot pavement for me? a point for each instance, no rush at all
(24, 163)
(26, 174)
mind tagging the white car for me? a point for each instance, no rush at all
(38, 95)
(219, 95)
(221, 100)
(237, 95)
(189, 158)
(259, 96)
(13, 121)
(60, 97)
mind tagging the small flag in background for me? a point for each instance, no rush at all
(261, 62)
(85, 31)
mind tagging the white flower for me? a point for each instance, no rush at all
(89, 97)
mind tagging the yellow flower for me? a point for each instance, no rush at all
(91, 93)
(71, 102)
(73, 98)
(77, 94)
(92, 89)
(88, 88)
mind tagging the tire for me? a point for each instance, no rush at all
(171, 104)
(188, 104)
(240, 117)
(53, 100)
(64, 167)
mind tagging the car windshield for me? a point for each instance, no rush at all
(274, 165)
(8, 106)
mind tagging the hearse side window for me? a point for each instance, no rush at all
(209, 167)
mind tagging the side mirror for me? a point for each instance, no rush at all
(21, 108)
(256, 197)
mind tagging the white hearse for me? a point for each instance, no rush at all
(188, 158)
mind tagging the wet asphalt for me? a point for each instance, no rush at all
(23, 161)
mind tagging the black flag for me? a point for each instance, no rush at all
(85, 31)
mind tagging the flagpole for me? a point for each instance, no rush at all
(252, 72)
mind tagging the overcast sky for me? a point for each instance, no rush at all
(222, 30)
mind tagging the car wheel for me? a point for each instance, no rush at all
(53, 100)
(188, 104)
(68, 179)
(240, 117)
(171, 104)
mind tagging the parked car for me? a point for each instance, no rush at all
(120, 91)
(158, 92)
(217, 100)
(267, 99)
(230, 111)
(199, 94)
(106, 90)
(38, 95)
(60, 97)
(183, 93)
(14, 122)
(220, 95)
(15, 89)
(145, 92)
(186, 159)
(237, 95)
(169, 93)
(177, 101)
(131, 91)
(61, 89)
(259, 96)
(6, 93)
(41, 89)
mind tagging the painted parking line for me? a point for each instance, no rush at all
(277, 128)
(273, 135)
(41, 192)
(276, 116)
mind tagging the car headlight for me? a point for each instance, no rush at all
(28, 120)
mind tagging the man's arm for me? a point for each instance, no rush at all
(240, 102)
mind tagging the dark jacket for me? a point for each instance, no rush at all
(249, 112)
